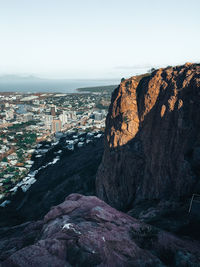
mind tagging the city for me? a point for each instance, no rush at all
(34, 125)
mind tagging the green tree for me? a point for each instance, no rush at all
(5, 159)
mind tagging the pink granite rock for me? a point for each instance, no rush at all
(85, 231)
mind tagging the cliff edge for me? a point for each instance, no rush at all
(152, 138)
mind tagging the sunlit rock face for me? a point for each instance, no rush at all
(123, 119)
(152, 138)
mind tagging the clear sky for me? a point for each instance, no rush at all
(96, 38)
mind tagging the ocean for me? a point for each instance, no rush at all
(56, 86)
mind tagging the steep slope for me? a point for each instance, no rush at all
(152, 138)
(73, 173)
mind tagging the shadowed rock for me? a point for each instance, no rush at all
(152, 139)
(85, 231)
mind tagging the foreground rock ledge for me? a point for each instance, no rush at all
(85, 231)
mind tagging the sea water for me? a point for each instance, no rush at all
(56, 86)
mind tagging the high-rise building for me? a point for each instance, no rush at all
(48, 121)
(56, 126)
(53, 111)
(63, 118)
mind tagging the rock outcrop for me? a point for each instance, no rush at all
(85, 231)
(152, 138)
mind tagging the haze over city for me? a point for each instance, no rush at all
(96, 39)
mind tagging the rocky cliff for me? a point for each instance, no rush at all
(152, 152)
(152, 138)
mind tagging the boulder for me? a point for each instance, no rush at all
(85, 231)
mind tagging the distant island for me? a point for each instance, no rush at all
(98, 89)
(19, 78)
(33, 84)
(109, 88)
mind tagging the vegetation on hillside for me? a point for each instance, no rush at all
(98, 89)
(109, 88)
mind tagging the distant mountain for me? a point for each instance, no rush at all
(17, 78)
(20, 78)
(30, 83)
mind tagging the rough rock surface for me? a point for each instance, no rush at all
(85, 231)
(152, 139)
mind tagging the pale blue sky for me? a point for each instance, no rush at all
(96, 38)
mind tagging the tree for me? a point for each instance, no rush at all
(151, 70)
(5, 159)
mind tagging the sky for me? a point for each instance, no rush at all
(93, 39)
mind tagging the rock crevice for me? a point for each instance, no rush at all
(151, 138)
(85, 231)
